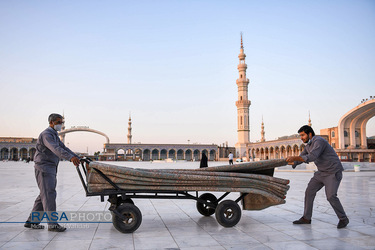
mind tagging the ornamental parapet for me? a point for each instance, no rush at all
(18, 140)
(242, 81)
(242, 66)
(245, 103)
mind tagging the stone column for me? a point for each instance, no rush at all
(352, 143)
(363, 135)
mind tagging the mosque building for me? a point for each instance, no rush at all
(154, 152)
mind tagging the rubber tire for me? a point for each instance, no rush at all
(133, 215)
(228, 213)
(202, 208)
(128, 200)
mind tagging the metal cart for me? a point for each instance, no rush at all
(126, 216)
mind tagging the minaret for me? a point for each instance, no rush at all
(262, 139)
(130, 130)
(310, 124)
(243, 104)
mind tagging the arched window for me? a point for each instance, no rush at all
(241, 76)
(241, 120)
(333, 133)
(345, 133)
(356, 134)
(241, 98)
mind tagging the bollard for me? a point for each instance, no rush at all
(357, 168)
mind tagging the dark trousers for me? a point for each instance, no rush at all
(230, 162)
(331, 182)
(46, 200)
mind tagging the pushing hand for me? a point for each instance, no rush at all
(75, 161)
(292, 159)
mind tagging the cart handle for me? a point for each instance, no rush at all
(87, 161)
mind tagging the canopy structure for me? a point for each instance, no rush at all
(352, 126)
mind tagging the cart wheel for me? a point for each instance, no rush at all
(202, 208)
(121, 201)
(228, 213)
(133, 218)
(128, 200)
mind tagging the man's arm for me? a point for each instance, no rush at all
(75, 159)
(54, 145)
(296, 160)
(317, 149)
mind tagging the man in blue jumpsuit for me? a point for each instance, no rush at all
(329, 174)
(49, 151)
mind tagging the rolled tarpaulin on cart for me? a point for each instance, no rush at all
(160, 178)
(247, 167)
(269, 190)
(178, 185)
(167, 173)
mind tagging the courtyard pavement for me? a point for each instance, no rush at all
(176, 224)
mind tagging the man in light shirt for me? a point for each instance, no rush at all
(329, 174)
(49, 151)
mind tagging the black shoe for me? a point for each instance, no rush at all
(29, 224)
(56, 228)
(343, 223)
(302, 221)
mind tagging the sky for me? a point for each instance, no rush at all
(173, 66)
